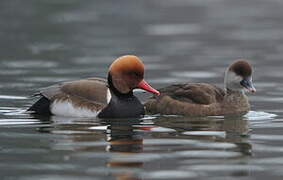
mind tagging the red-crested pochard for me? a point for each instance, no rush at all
(111, 98)
(201, 99)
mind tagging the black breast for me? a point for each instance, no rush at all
(123, 107)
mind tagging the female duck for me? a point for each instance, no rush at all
(201, 99)
(97, 97)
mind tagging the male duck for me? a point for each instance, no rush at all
(111, 98)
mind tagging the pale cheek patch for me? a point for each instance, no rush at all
(234, 78)
(67, 109)
(232, 81)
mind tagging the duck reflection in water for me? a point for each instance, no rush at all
(227, 129)
(124, 141)
(123, 138)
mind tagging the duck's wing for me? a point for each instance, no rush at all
(196, 93)
(91, 93)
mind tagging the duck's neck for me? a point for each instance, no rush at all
(115, 91)
(121, 105)
(230, 91)
(236, 101)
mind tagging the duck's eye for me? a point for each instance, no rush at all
(133, 74)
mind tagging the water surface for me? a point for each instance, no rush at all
(49, 41)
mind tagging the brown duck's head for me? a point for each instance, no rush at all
(126, 74)
(238, 76)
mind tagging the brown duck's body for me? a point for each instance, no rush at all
(197, 99)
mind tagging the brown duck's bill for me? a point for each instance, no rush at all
(145, 86)
(248, 84)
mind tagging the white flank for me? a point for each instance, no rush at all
(108, 96)
(67, 109)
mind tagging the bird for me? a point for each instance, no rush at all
(97, 97)
(203, 99)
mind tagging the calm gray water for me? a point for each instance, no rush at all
(48, 41)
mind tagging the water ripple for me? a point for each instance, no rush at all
(37, 48)
(209, 154)
(172, 29)
(170, 174)
(206, 133)
(271, 161)
(194, 74)
(57, 177)
(12, 97)
(30, 64)
(259, 115)
(270, 137)
(10, 111)
(267, 148)
(7, 122)
(225, 168)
